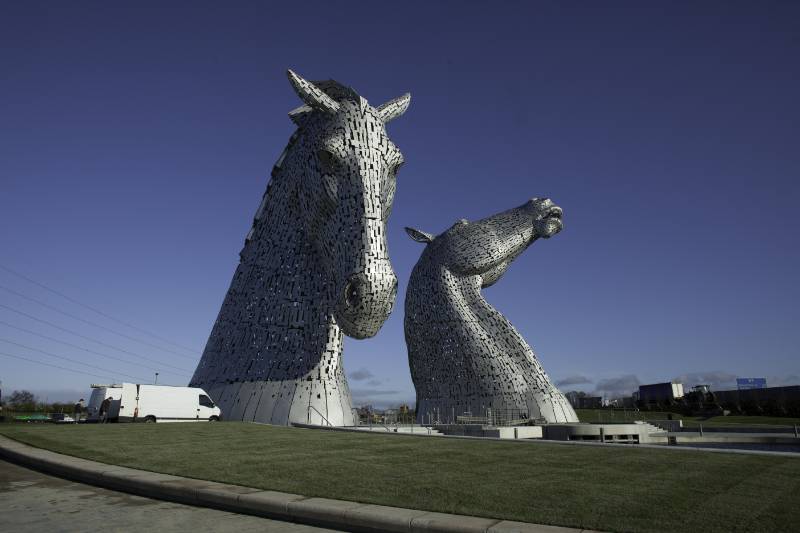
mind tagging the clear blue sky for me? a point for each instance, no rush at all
(136, 142)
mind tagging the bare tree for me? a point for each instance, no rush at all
(22, 399)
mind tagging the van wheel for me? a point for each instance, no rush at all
(150, 419)
(214, 419)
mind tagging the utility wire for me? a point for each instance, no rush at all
(61, 357)
(60, 367)
(90, 339)
(101, 354)
(95, 310)
(95, 324)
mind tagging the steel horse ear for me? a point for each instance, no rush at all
(314, 267)
(464, 355)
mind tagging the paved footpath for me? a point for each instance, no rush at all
(35, 502)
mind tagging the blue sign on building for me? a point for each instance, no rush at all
(751, 383)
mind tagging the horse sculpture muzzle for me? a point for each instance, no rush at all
(547, 217)
(366, 300)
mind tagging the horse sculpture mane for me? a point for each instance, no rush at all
(466, 357)
(314, 266)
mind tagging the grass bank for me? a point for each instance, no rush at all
(604, 488)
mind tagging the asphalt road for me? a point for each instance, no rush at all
(32, 501)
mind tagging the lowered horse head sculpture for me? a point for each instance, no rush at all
(315, 265)
(465, 356)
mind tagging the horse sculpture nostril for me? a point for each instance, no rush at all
(352, 292)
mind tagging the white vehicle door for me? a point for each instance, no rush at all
(205, 407)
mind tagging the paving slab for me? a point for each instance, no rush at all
(183, 490)
(322, 511)
(268, 503)
(139, 482)
(509, 526)
(223, 496)
(382, 518)
(451, 523)
(33, 502)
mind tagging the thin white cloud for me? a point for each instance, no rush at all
(717, 379)
(361, 374)
(618, 386)
(573, 380)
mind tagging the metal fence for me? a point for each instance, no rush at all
(488, 417)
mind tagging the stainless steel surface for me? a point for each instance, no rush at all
(466, 357)
(314, 267)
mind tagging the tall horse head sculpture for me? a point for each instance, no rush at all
(465, 356)
(315, 265)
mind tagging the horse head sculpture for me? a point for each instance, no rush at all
(347, 169)
(464, 355)
(487, 247)
(315, 265)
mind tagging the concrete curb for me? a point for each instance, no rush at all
(338, 514)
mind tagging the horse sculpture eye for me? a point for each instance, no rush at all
(327, 160)
(387, 195)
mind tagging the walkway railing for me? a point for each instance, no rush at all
(310, 407)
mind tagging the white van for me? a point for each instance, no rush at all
(100, 393)
(160, 403)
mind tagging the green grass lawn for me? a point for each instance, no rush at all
(607, 415)
(605, 488)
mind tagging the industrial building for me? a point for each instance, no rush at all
(580, 400)
(660, 393)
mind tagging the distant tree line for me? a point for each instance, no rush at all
(26, 401)
(778, 401)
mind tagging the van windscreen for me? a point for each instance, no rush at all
(205, 401)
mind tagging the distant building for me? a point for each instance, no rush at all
(626, 401)
(580, 400)
(390, 416)
(365, 412)
(658, 393)
(751, 383)
(590, 402)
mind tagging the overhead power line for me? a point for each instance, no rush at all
(61, 357)
(134, 354)
(95, 324)
(61, 367)
(101, 354)
(95, 310)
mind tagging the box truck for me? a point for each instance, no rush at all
(134, 402)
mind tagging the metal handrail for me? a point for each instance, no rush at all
(310, 407)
